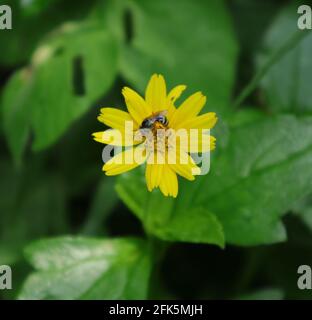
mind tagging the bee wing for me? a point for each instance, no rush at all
(163, 113)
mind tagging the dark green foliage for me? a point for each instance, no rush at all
(239, 232)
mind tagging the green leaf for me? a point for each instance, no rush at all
(195, 225)
(243, 189)
(28, 29)
(246, 179)
(84, 268)
(286, 85)
(15, 106)
(189, 42)
(33, 7)
(161, 217)
(60, 85)
(303, 208)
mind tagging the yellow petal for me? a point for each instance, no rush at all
(169, 182)
(156, 93)
(186, 169)
(115, 118)
(173, 95)
(148, 177)
(137, 107)
(190, 108)
(125, 161)
(116, 137)
(153, 175)
(197, 141)
(163, 187)
(205, 121)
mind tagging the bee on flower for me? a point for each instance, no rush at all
(157, 134)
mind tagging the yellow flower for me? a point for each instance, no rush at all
(162, 150)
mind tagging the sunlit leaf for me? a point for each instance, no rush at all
(83, 268)
(29, 27)
(243, 188)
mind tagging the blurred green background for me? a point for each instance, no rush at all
(240, 232)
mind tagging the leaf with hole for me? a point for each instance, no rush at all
(68, 73)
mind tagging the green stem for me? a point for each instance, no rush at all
(158, 249)
(293, 40)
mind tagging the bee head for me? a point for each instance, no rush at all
(147, 123)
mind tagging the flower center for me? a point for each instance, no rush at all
(159, 143)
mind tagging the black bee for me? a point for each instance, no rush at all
(158, 118)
